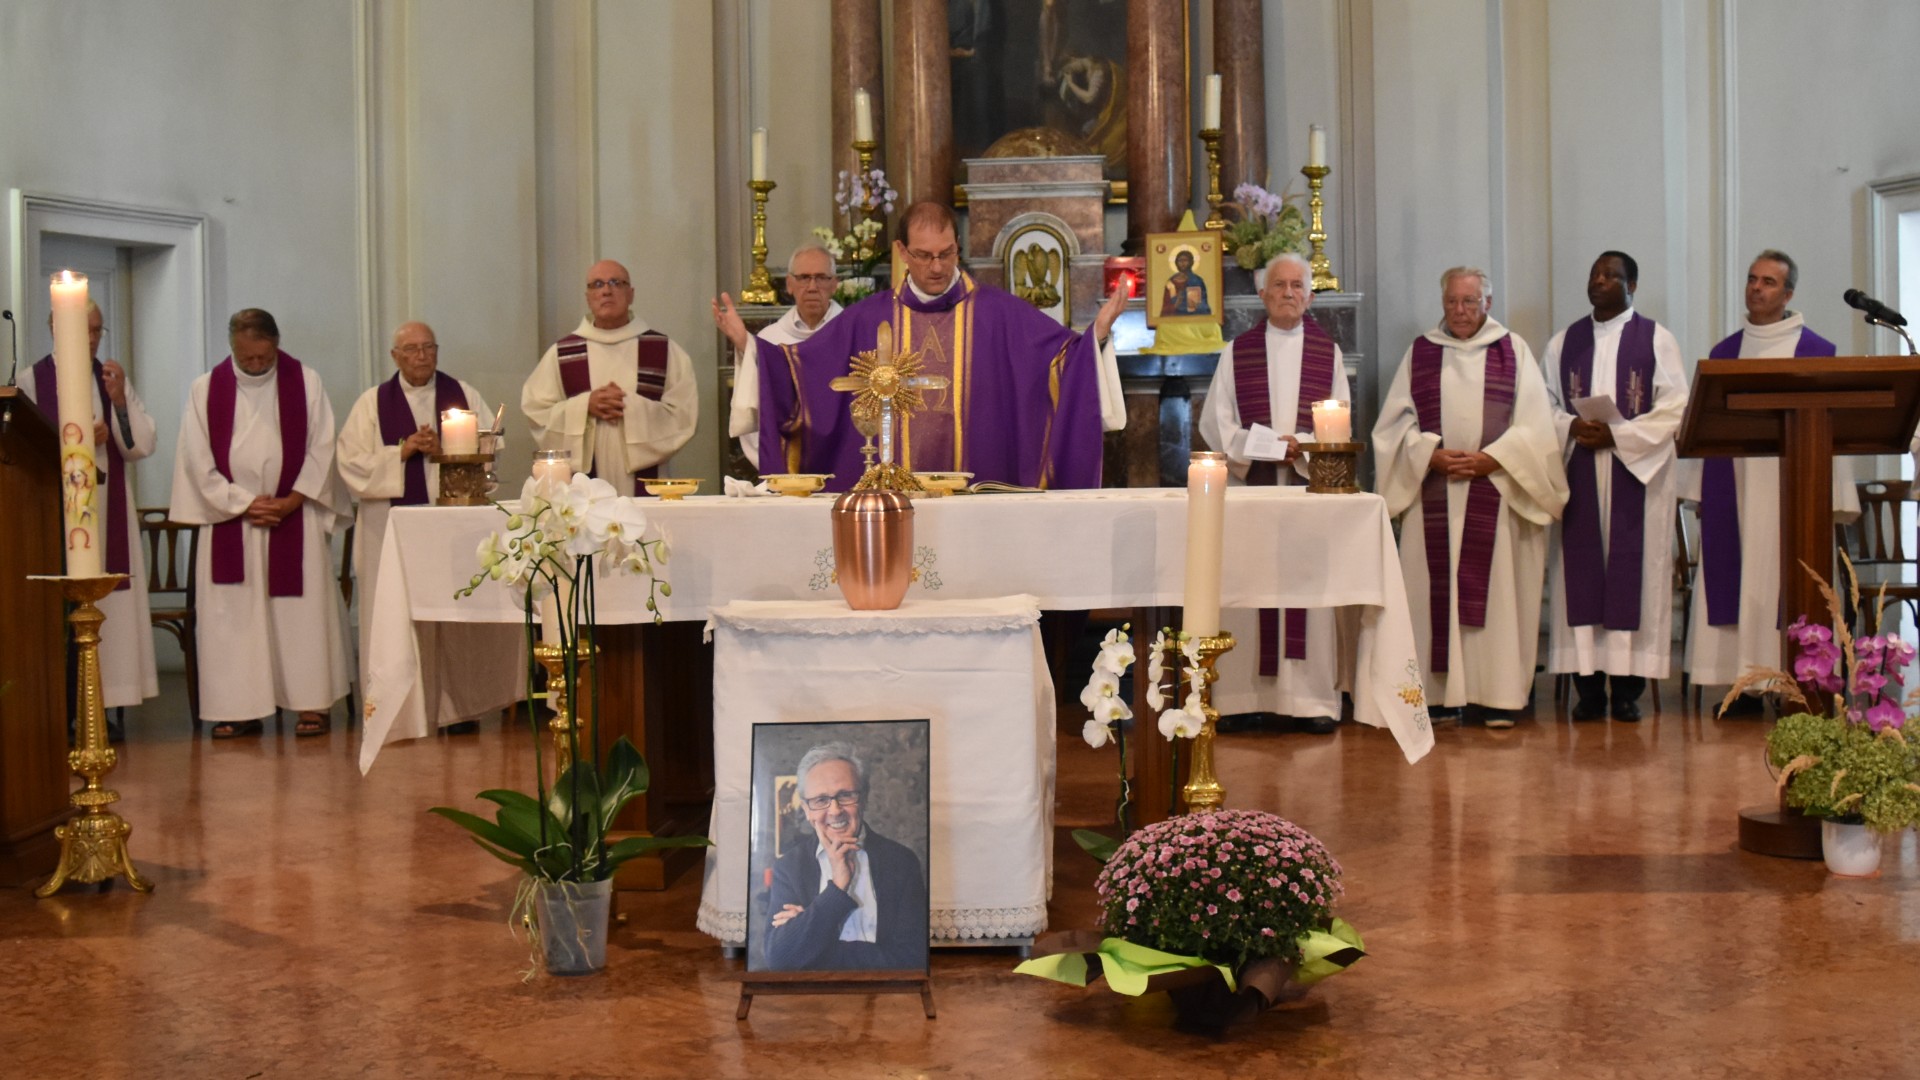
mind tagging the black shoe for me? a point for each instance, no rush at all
(1443, 715)
(464, 727)
(1589, 710)
(1238, 723)
(1627, 711)
(1744, 705)
(1318, 725)
(1497, 719)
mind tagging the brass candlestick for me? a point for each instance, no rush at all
(1204, 791)
(1323, 279)
(759, 288)
(565, 724)
(93, 846)
(1333, 468)
(1211, 136)
(865, 148)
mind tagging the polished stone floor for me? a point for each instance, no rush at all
(1555, 900)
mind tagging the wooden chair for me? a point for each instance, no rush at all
(1876, 543)
(170, 589)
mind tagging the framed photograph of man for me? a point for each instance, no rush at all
(1183, 277)
(837, 847)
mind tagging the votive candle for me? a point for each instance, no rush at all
(1332, 421)
(557, 464)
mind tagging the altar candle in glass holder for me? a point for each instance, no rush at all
(862, 116)
(1206, 524)
(459, 432)
(557, 464)
(1332, 422)
(73, 375)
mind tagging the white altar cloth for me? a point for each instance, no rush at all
(975, 669)
(1112, 547)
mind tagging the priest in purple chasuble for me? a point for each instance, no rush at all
(616, 394)
(1027, 402)
(1610, 565)
(811, 276)
(254, 469)
(1735, 621)
(123, 433)
(1270, 376)
(1468, 459)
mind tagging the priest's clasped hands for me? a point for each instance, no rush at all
(425, 441)
(1463, 464)
(1591, 434)
(267, 511)
(609, 403)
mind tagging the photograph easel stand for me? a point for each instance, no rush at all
(850, 982)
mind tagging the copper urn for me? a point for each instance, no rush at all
(873, 548)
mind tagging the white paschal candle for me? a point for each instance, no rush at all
(760, 153)
(1332, 422)
(459, 432)
(862, 116)
(73, 371)
(1206, 524)
(1316, 145)
(1211, 118)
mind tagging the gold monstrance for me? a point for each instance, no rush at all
(885, 384)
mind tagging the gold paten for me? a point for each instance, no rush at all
(1204, 791)
(93, 846)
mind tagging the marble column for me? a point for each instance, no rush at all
(1243, 93)
(921, 107)
(1158, 150)
(856, 65)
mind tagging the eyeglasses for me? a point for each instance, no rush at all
(923, 258)
(842, 798)
(417, 350)
(607, 283)
(811, 279)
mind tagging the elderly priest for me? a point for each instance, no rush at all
(1468, 453)
(811, 276)
(254, 469)
(1028, 398)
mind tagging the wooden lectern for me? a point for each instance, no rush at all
(1805, 411)
(34, 781)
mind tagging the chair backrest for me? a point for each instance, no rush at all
(164, 539)
(1877, 538)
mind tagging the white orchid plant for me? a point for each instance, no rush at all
(1102, 699)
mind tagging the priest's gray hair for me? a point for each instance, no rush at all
(1486, 283)
(833, 265)
(255, 321)
(1294, 257)
(1784, 259)
(833, 751)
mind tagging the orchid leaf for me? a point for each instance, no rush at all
(1098, 845)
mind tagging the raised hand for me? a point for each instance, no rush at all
(729, 323)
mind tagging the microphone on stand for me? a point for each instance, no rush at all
(1875, 310)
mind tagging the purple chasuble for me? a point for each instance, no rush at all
(1480, 531)
(46, 395)
(1603, 582)
(1720, 501)
(649, 379)
(1025, 393)
(1252, 398)
(397, 423)
(286, 542)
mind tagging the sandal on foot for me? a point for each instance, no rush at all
(234, 729)
(312, 724)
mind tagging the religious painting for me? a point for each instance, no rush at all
(1183, 278)
(1044, 78)
(837, 847)
(1035, 261)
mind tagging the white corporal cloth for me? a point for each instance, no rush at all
(975, 669)
(1071, 550)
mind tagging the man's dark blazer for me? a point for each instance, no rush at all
(811, 940)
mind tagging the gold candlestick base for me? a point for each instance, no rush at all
(93, 846)
(1323, 279)
(565, 725)
(865, 148)
(463, 479)
(1204, 790)
(1212, 136)
(1333, 468)
(759, 288)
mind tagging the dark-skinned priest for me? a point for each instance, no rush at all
(1028, 399)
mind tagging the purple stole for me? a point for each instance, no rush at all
(1255, 405)
(46, 395)
(1604, 589)
(1483, 499)
(649, 380)
(396, 424)
(286, 543)
(1720, 501)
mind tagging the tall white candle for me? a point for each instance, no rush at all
(760, 153)
(459, 432)
(73, 374)
(1211, 120)
(1332, 422)
(862, 116)
(1206, 524)
(1316, 145)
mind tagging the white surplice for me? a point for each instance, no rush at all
(647, 434)
(743, 415)
(1306, 687)
(466, 671)
(1645, 445)
(127, 673)
(1717, 655)
(259, 653)
(1490, 665)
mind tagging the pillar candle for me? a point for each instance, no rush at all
(1332, 423)
(1206, 524)
(557, 464)
(862, 116)
(1211, 120)
(760, 153)
(459, 432)
(73, 373)
(1316, 145)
